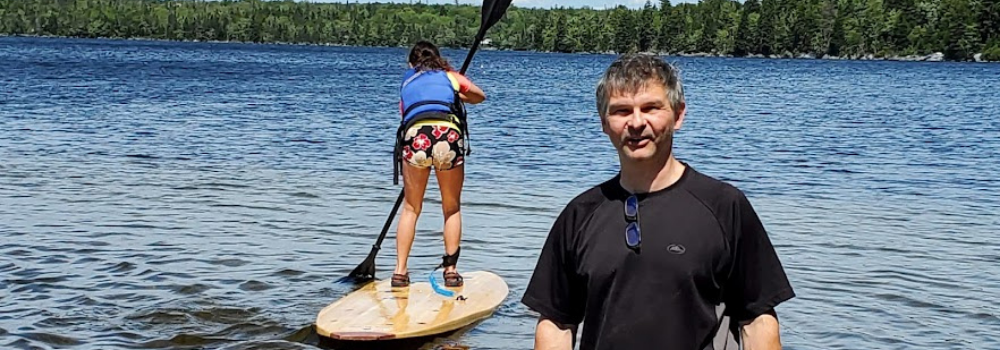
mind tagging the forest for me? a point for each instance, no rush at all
(890, 29)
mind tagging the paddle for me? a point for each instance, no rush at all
(493, 10)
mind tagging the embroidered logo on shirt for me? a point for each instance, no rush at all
(676, 249)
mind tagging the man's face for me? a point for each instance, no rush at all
(641, 125)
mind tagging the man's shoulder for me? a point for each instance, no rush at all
(710, 190)
(725, 201)
(579, 208)
(596, 194)
(710, 185)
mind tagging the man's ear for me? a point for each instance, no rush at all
(604, 125)
(680, 113)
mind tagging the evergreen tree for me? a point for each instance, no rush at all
(850, 28)
(745, 40)
(667, 30)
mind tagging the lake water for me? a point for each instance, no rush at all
(197, 195)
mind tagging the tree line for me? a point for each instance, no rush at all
(959, 29)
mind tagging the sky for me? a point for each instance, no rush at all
(597, 4)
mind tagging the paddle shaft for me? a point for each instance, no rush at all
(388, 221)
(472, 51)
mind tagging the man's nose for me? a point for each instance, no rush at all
(637, 119)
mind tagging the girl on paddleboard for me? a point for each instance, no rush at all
(432, 133)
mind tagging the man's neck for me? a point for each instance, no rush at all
(652, 176)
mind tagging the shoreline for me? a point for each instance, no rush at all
(933, 57)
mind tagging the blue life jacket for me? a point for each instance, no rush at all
(428, 94)
(427, 91)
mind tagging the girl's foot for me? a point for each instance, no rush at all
(400, 280)
(452, 279)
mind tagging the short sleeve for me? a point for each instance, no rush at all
(459, 82)
(757, 280)
(554, 290)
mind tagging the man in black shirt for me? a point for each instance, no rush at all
(659, 256)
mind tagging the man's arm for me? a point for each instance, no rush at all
(762, 333)
(757, 282)
(550, 335)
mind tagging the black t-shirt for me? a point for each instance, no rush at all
(705, 261)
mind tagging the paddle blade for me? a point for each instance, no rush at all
(366, 270)
(493, 11)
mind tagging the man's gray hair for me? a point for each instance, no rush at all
(631, 72)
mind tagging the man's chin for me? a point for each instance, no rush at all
(637, 155)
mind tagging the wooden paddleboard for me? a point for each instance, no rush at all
(377, 311)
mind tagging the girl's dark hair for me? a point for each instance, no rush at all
(425, 56)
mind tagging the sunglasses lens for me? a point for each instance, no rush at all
(631, 207)
(632, 235)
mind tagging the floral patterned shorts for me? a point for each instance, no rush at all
(437, 145)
